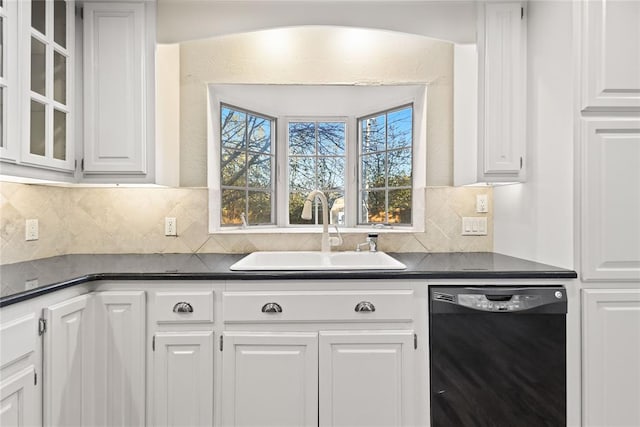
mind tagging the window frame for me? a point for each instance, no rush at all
(280, 101)
(274, 165)
(386, 188)
(283, 173)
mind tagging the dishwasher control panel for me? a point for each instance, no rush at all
(498, 299)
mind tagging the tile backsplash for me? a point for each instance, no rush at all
(76, 220)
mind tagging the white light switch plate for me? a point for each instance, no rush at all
(474, 226)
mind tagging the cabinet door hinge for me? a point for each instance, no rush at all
(153, 343)
(42, 326)
(35, 378)
(221, 342)
(522, 13)
(415, 341)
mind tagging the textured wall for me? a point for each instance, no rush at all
(131, 220)
(316, 55)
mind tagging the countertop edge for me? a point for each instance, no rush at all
(290, 275)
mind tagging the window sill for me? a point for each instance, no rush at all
(315, 230)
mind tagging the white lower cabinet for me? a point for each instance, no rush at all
(94, 360)
(18, 399)
(67, 363)
(366, 378)
(611, 357)
(270, 379)
(183, 378)
(119, 359)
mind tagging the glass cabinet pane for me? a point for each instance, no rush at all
(59, 135)
(38, 66)
(38, 15)
(60, 22)
(59, 78)
(38, 129)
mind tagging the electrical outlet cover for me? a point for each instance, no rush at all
(482, 203)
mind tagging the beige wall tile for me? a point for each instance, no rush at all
(131, 220)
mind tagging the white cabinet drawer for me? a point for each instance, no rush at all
(183, 307)
(17, 338)
(318, 306)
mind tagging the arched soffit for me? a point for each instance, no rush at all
(184, 20)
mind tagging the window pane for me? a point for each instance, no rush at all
(38, 69)
(60, 22)
(302, 138)
(373, 207)
(399, 168)
(259, 134)
(399, 129)
(331, 139)
(260, 171)
(400, 206)
(233, 205)
(259, 208)
(59, 78)
(330, 173)
(233, 168)
(302, 173)
(59, 135)
(373, 134)
(373, 170)
(233, 128)
(38, 15)
(37, 129)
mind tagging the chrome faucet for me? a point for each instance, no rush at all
(327, 241)
(372, 241)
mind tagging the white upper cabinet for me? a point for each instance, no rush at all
(117, 68)
(611, 200)
(490, 140)
(610, 54)
(46, 44)
(502, 92)
(9, 145)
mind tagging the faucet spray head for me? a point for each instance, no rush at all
(306, 209)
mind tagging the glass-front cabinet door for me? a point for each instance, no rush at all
(8, 78)
(46, 46)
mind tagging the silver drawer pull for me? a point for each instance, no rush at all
(182, 307)
(365, 306)
(271, 307)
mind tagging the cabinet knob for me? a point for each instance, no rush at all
(271, 307)
(182, 307)
(365, 306)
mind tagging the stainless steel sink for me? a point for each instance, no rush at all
(317, 261)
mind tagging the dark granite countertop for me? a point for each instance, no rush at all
(24, 280)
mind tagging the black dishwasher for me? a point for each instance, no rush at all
(497, 356)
